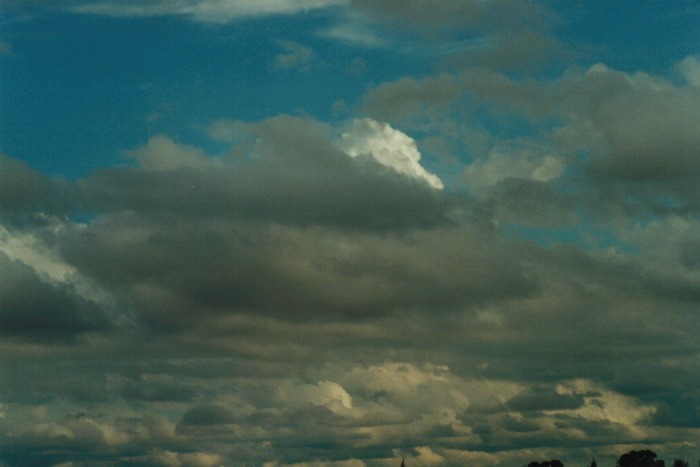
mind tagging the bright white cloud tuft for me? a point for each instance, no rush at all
(388, 146)
(354, 34)
(326, 393)
(27, 248)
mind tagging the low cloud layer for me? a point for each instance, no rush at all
(260, 279)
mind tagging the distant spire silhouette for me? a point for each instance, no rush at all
(403, 464)
(593, 464)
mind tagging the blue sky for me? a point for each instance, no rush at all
(346, 232)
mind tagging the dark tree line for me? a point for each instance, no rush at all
(642, 458)
(552, 463)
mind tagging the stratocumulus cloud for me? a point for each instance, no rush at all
(343, 233)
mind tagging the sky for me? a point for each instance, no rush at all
(347, 232)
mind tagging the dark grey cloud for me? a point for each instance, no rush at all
(34, 309)
(154, 389)
(544, 398)
(267, 295)
(208, 415)
(24, 193)
(510, 423)
(214, 267)
(293, 174)
(598, 432)
(410, 96)
(531, 202)
(649, 149)
(628, 141)
(286, 225)
(690, 254)
(650, 136)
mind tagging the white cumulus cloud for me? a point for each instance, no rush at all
(388, 146)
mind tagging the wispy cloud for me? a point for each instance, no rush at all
(295, 56)
(207, 11)
(5, 48)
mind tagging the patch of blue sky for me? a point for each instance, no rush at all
(74, 97)
(648, 35)
(511, 126)
(583, 234)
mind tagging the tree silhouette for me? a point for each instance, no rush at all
(643, 458)
(680, 463)
(552, 463)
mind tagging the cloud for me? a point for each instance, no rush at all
(186, 459)
(326, 393)
(290, 273)
(620, 135)
(152, 388)
(389, 147)
(285, 168)
(314, 281)
(543, 398)
(294, 223)
(272, 305)
(410, 96)
(355, 33)
(296, 56)
(649, 133)
(689, 68)
(206, 11)
(503, 34)
(161, 154)
(484, 174)
(5, 48)
(33, 309)
(459, 14)
(208, 415)
(486, 266)
(25, 192)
